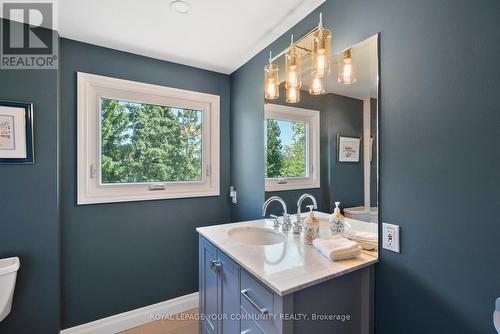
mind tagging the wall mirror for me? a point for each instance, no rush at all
(321, 130)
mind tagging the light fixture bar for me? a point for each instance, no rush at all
(298, 42)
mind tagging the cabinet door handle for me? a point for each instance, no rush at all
(215, 265)
(262, 310)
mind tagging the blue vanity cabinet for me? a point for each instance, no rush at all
(232, 301)
(209, 287)
(229, 295)
(219, 291)
(261, 308)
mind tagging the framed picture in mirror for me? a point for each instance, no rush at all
(348, 148)
(16, 132)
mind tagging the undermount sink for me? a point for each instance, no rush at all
(255, 236)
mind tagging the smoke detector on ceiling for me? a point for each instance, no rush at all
(180, 6)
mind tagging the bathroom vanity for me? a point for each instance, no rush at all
(321, 134)
(255, 279)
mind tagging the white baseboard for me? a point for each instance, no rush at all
(137, 317)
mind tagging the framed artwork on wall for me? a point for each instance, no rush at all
(16, 133)
(348, 148)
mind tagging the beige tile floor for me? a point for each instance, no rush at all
(171, 326)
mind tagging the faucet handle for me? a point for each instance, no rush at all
(310, 207)
(297, 227)
(276, 220)
(285, 227)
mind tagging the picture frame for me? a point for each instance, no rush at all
(16, 133)
(348, 148)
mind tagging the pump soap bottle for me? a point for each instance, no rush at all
(337, 221)
(311, 224)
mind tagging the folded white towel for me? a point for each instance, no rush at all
(367, 245)
(337, 247)
(367, 240)
(363, 236)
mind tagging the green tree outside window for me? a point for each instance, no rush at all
(285, 149)
(149, 143)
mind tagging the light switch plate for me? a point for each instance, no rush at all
(390, 234)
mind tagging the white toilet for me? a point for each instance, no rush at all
(8, 273)
(496, 315)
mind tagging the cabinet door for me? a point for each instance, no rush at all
(229, 295)
(209, 286)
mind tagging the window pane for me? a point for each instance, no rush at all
(149, 143)
(285, 148)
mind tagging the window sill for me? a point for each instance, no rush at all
(291, 185)
(153, 195)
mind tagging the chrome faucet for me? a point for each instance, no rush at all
(285, 226)
(298, 224)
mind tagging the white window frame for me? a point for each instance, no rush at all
(91, 88)
(311, 117)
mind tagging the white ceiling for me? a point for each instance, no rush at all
(218, 35)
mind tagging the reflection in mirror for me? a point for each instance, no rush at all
(327, 143)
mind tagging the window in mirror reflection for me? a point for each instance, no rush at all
(291, 147)
(285, 148)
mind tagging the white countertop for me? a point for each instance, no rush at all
(289, 266)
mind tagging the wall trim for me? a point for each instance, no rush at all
(137, 317)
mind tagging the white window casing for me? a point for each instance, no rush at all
(311, 118)
(90, 190)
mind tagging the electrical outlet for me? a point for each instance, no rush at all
(390, 234)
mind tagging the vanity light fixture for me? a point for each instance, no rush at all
(347, 69)
(321, 46)
(180, 6)
(271, 80)
(293, 74)
(317, 45)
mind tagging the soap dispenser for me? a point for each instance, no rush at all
(337, 221)
(311, 227)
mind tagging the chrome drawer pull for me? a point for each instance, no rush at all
(215, 266)
(245, 294)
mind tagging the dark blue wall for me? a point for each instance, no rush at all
(247, 138)
(118, 257)
(29, 208)
(439, 154)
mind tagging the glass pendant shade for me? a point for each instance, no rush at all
(271, 80)
(292, 95)
(317, 86)
(347, 69)
(321, 49)
(293, 74)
